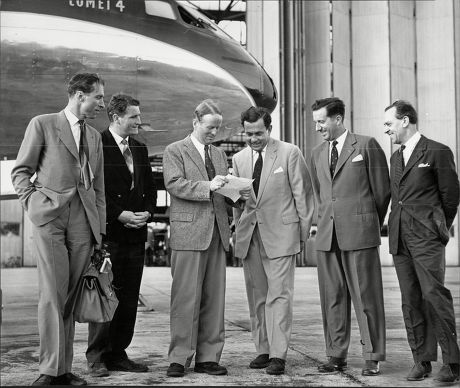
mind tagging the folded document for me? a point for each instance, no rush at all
(233, 187)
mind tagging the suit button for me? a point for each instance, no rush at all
(332, 217)
(400, 202)
(333, 199)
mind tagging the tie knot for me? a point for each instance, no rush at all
(402, 147)
(124, 142)
(334, 143)
(206, 147)
(81, 123)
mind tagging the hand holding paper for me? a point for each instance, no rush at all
(234, 186)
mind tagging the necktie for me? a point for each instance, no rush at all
(208, 163)
(85, 169)
(129, 160)
(399, 167)
(334, 157)
(257, 173)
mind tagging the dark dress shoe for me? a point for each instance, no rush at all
(276, 366)
(419, 371)
(175, 370)
(211, 368)
(97, 369)
(333, 365)
(127, 365)
(70, 379)
(448, 373)
(261, 361)
(371, 368)
(45, 380)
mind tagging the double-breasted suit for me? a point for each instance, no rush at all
(269, 232)
(68, 219)
(351, 207)
(200, 236)
(108, 341)
(424, 203)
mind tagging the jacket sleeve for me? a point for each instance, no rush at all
(99, 187)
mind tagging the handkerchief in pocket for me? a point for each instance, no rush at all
(278, 170)
(357, 158)
(424, 165)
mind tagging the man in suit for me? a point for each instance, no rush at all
(131, 200)
(66, 205)
(271, 229)
(352, 189)
(424, 203)
(193, 170)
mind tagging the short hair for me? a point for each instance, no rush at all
(255, 113)
(119, 103)
(206, 107)
(83, 82)
(404, 108)
(334, 106)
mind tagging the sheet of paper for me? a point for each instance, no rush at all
(233, 187)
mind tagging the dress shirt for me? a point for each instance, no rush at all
(199, 146)
(410, 146)
(340, 142)
(118, 140)
(74, 126)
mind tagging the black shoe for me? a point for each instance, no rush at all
(333, 365)
(371, 368)
(127, 365)
(45, 380)
(276, 366)
(175, 370)
(69, 379)
(211, 368)
(261, 361)
(448, 373)
(97, 369)
(419, 371)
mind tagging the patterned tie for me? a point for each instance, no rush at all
(399, 167)
(257, 173)
(83, 152)
(208, 163)
(334, 157)
(129, 160)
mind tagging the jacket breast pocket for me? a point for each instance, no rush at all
(181, 217)
(290, 219)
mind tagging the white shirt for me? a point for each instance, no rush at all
(118, 140)
(199, 146)
(74, 126)
(410, 146)
(255, 156)
(340, 142)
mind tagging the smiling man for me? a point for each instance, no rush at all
(352, 190)
(66, 205)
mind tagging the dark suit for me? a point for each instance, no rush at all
(424, 205)
(351, 208)
(108, 341)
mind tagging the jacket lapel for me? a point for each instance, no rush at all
(191, 150)
(418, 152)
(65, 134)
(347, 149)
(324, 160)
(270, 157)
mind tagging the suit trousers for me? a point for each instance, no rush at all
(108, 341)
(270, 291)
(427, 305)
(346, 276)
(198, 303)
(64, 246)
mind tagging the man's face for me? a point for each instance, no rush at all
(394, 127)
(206, 129)
(257, 135)
(327, 126)
(92, 103)
(128, 124)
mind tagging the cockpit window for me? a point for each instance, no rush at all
(159, 8)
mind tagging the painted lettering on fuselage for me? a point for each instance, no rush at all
(99, 4)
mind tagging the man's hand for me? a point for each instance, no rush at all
(133, 220)
(218, 182)
(245, 194)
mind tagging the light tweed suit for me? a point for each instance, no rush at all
(200, 236)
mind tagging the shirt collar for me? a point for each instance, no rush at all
(117, 137)
(412, 142)
(199, 146)
(340, 140)
(71, 118)
(255, 154)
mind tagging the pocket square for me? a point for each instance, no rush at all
(424, 165)
(357, 158)
(278, 170)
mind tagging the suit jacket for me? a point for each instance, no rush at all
(355, 200)
(284, 206)
(428, 190)
(193, 207)
(49, 150)
(118, 193)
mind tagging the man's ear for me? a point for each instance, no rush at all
(405, 121)
(269, 129)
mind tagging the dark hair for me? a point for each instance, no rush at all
(83, 82)
(206, 107)
(404, 108)
(119, 103)
(254, 113)
(334, 106)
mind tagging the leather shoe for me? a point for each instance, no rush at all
(419, 371)
(333, 365)
(448, 373)
(175, 370)
(211, 368)
(45, 380)
(127, 365)
(276, 366)
(69, 379)
(371, 368)
(261, 361)
(97, 369)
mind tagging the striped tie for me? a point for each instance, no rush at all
(129, 160)
(83, 153)
(399, 167)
